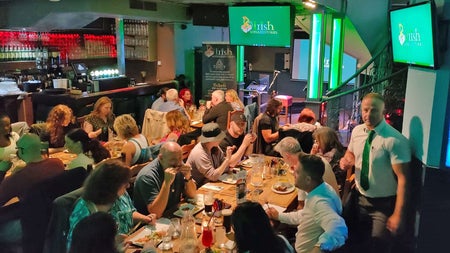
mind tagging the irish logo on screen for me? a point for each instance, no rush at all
(259, 27)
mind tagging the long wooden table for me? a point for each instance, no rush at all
(227, 192)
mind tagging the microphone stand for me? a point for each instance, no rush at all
(273, 80)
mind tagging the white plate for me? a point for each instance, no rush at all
(246, 163)
(228, 178)
(289, 187)
(146, 234)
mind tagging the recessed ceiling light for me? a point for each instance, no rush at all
(54, 0)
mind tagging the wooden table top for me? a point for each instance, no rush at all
(227, 192)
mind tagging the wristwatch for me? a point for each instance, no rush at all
(187, 179)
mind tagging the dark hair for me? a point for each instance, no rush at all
(252, 230)
(104, 182)
(272, 106)
(95, 233)
(313, 166)
(99, 153)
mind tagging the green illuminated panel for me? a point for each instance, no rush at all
(316, 57)
(240, 64)
(336, 53)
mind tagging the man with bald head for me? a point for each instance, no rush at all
(160, 185)
(381, 157)
(37, 169)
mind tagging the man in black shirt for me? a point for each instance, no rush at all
(236, 137)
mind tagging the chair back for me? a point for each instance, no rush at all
(39, 199)
(186, 149)
(257, 146)
(59, 225)
(230, 113)
(250, 112)
(154, 125)
(134, 172)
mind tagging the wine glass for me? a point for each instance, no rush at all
(207, 237)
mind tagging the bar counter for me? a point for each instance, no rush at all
(134, 100)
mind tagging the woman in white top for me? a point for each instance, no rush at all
(89, 151)
(127, 129)
(8, 141)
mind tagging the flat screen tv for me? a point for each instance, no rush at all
(269, 26)
(414, 35)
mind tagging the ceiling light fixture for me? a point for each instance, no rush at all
(309, 4)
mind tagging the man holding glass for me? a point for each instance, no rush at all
(160, 185)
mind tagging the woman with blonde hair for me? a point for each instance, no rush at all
(178, 125)
(232, 97)
(127, 129)
(59, 122)
(99, 123)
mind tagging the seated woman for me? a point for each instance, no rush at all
(328, 146)
(178, 125)
(186, 96)
(105, 190)
(99, 123)
(253, 232)
(232, 97)
(88, 151)
(8, 141)
(59, 122)
(127, 129)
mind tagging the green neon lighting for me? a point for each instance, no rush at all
(240, 64)
(316, 57)
(336, 53)
(120, 46)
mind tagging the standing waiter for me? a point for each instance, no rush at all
(381, 156)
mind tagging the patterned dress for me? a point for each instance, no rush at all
(98, 123)
(122, 212)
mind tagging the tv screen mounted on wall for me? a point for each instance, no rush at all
(270, 26)
(414, 35)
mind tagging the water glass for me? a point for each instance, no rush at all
(175, 224)
(166, 240)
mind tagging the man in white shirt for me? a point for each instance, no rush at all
(320, 226)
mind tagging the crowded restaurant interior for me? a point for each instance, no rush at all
(224, 126)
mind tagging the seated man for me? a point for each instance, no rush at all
(36, 170)
(217, 110)
(236, 138)
(207, 160)
(267, 127)
(160, 184)
(320, 226)
(173, 103)
(290, 149)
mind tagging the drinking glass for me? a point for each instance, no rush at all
(175, 224)
(207, 237)
(166, 239)
(208, 201)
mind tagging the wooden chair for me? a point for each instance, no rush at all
(230, 113)
(186, 149)
(134, 172)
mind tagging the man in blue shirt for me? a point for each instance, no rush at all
(159, 185)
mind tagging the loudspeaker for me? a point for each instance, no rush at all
(210, 15)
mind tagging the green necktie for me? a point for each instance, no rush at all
(364, 179)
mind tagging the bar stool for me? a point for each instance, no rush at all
(286, 101)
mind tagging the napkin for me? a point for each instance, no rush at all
(212, 187)
(278, 208)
